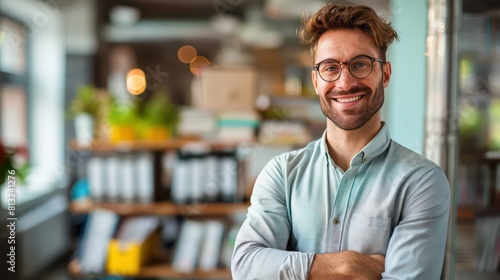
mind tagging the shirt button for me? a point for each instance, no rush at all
(365, 160)
(336, 221)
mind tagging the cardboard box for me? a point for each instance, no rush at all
(224, 89)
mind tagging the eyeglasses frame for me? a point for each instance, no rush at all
(373, 59)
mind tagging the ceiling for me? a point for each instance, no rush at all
(181, 9)
(261, 23)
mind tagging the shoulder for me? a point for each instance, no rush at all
(301, 155)
(417, 170)
(408, 158)
(294, 160)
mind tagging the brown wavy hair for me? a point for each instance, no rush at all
(344, 16)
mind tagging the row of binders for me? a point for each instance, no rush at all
(202, 175)
(121, 177)
(123, 246)
(193, 174)
(204, 246)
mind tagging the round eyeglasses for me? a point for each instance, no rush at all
(360, 67)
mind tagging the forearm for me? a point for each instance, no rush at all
(252, 262)
(346, 265)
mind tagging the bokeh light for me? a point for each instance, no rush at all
(136, 81)
(197, 64)
(186, 53)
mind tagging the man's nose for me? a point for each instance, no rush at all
(346, 79)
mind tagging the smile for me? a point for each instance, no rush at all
(348, 100)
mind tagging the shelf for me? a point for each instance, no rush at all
(471, 213)
(160, 30)
(467, 214)
(173, 144)
(130, 146)
(160, 208)
(293, 98)
(163, 270)
(160, 270)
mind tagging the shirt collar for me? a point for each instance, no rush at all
(375, 147)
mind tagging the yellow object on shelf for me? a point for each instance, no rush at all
(127, 257)
(157, 133)
(122, 133)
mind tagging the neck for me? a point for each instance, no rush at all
(343, 145)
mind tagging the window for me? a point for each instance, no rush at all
(13, 84)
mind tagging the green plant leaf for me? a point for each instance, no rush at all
(160, 110)
(85, 102)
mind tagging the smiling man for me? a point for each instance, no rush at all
(353, 204)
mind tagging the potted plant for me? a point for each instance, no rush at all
(123, 119)
(159, 118)
(6, 164)
(13, 162)
(83, 110)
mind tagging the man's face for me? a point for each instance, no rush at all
(350, 102)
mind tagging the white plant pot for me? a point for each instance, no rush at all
(84, 129)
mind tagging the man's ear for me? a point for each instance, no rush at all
(314, 79)
(387, 73)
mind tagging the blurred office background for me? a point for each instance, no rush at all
(186, 100)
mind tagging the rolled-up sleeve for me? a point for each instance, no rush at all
(260, 247)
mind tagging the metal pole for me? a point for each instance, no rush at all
(441, 141)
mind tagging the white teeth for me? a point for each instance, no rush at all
(346, 100)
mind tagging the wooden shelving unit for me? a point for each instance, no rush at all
(164, 270)
(160, 208)
(172, 144)
(129, 146)
(196, 211)
(160, 270)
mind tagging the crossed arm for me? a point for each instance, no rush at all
(261, 249)
(415, 250)
(269, 263)
(346, 265)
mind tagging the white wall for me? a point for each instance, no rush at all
(405, 104)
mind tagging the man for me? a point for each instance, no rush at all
(353, 204)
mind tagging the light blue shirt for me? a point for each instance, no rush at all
(391, 201)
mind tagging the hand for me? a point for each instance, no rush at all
(347, 265)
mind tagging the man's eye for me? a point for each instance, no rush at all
(360, 65)
(331, 68)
